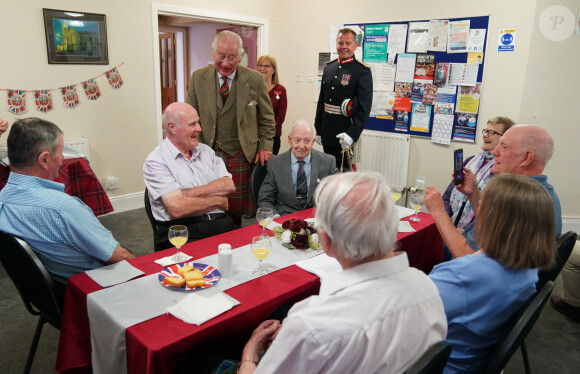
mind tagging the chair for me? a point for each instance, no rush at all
(36, 287)
(152, 220)
(516, 331)
(258, 174)
(433, 361)
(565, 245)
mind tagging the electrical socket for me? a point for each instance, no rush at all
(420, 183)
(112, 183)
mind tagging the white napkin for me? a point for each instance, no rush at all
(198, 308)
(167, 261)
(404, 212)
(273, 225)
(405, 226)
(114, 274)
(320, 265)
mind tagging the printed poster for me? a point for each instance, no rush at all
(383, 77)
(420, 117)
(474, 58)
(446, 94)
(405, 67)
(438, 33)
(418, 37)
(476, 40)
(402, 122)
(441, 74)
(468, 99)
(506, 41)
(465, 126)
(430, 94)
(403, 97)
(424, 66)
(376, 43)
(442, 128)
(418, 90)
(458, 34)
(385, 105)
(397, 39)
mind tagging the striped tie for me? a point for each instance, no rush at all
(225, 89)
(301, 185)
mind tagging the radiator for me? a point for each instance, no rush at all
(81, 145)
(385, 153)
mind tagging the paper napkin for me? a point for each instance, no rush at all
(114, 274)
(197, 308)
(167, 261)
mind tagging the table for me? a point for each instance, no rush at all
(156, 345)
(80, 181)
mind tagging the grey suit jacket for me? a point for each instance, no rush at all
(252, 108)
(277, 191)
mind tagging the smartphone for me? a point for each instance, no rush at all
(458, 166)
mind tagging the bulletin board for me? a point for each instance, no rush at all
(435, 112)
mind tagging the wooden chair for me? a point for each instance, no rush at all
(433, 361)
(36, 287)
(517, 329)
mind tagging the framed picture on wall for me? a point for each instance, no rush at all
(75, 37)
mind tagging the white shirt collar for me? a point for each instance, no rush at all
(294, 160)
(230, 77)
(335, 282)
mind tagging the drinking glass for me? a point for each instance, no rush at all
(264, 216)
(416, 204)
(396, 191)
(178, 236)
(261, 247)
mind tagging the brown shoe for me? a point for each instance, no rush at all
(565, 308)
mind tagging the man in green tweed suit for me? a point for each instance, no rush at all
(236, 115)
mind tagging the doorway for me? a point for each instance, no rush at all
(202, 20)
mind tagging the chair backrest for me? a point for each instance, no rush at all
(565, 245)
(36, 287)
(517, 329)
(258, 174)
(152, 219)
(433, 361)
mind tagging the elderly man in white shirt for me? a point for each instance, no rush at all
(187, 183)
(377, 315)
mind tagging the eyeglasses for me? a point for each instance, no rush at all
(265, 66)
(490, 132)
(230, 58)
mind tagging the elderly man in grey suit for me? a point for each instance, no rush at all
(293, 176)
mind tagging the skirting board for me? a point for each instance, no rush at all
(127, 202)
(571, 224)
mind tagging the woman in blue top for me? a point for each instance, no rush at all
(515, 229)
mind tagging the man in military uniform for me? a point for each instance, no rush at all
(345, 100)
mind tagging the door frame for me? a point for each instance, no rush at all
(158, 9)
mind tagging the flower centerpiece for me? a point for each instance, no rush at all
(297, 233)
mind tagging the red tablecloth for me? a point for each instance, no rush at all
(79, 180)
(155, 346)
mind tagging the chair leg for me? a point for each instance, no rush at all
(34, 345)
(525, 356)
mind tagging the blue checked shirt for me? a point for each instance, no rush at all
(64, 233)
(166, 169)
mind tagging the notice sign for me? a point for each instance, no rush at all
(506, 41)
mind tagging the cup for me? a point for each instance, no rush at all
(225, 263)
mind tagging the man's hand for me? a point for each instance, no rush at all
(3, 127)
(261, 339)
(344, 140)
(263, 156)
(433, 201)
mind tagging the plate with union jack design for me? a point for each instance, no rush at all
(211, 275)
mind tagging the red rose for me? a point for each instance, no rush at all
(297, 225)
(299, 241)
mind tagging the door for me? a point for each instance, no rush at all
(167, 65)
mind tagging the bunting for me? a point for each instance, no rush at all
(16, 99)
(43, 100)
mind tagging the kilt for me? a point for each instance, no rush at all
(240, 202)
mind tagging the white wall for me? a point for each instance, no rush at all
(121, 125)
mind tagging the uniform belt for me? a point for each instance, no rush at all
(332, 109)
(189, 220)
